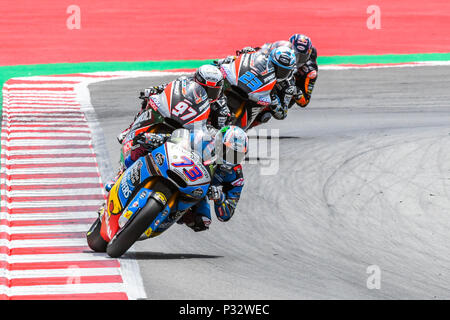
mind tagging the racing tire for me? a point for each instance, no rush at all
(138, 224)
(94, 239)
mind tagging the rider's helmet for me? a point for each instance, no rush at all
(302, 47)
(283, 61)
(211, 78)
(232, 145)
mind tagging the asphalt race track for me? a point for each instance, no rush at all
(363, 180)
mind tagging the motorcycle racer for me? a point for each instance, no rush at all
(253, 82)
(283, 60)
(307, 68)
(305, 75)
(204, 88)
(224, 150)
(211, 79)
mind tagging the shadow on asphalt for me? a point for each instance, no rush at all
(144, 255)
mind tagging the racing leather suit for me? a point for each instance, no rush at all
(280, 96)
(219, 116)
(232, 182)
(304, 78)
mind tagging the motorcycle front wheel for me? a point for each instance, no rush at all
(94, 239)
(126, 237)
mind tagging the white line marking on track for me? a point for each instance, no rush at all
(67, 289)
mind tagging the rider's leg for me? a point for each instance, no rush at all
(198, 218)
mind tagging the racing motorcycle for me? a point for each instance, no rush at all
(151, 195)
(180, 105)
(248, 84)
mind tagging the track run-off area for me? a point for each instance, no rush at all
(50, 192)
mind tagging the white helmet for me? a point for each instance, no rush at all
(211, 78)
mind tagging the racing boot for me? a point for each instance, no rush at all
(195, 221)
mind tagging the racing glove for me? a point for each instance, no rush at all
(226, 60)
(299, 99)
(144, 95)
(279, 110)
(151, 91)
(149, 140)
(246, 50)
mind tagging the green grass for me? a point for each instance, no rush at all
(8, 72)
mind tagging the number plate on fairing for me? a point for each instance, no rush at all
(187, 165)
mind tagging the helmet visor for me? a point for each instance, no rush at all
(302, 57)
(282, 72)
(213, 92)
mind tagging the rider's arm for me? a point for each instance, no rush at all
(306, 78)
(220, 113)
(278, 108)
(247, 50)
(232, 185)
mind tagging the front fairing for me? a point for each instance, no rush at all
(251, 76)
(143, 122)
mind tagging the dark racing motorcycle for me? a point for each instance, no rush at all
(249, 80)
(180, 105)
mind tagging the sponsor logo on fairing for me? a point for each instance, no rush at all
(312, 74)
(270, 78)
(135, 173)
(264, 101)
(143, 194)
(148, 232)
(125, 189)
(152, 104)
(176, 88)
(183, 87)
(159, 159)
(133, 176)
(128, 214)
